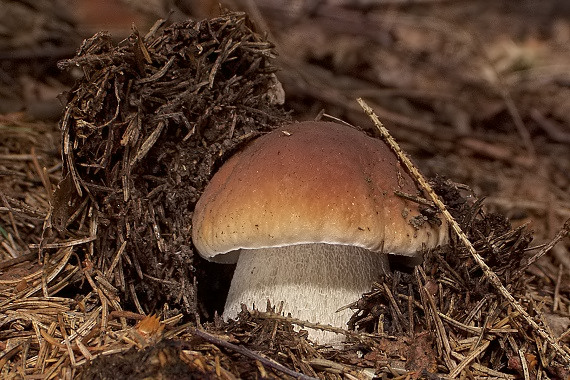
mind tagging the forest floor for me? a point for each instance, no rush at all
(105, 149)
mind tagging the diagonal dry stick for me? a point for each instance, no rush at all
(492, 276)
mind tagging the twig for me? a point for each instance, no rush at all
(524, 365)
(441, 335)
(341, 369)
(491, 276)
(554, 131)
(316, 326)
(414, 198)
(564, 231)
(485, 370)
(399, 317)
(64, 244)
(11, 217)
(250, 354)
(508, 99)
(469, 358)
(20, 259)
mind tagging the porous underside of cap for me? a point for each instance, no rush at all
(312, 182)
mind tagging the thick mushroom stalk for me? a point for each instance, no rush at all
(312, 280)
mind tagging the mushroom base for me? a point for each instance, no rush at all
(312, 280)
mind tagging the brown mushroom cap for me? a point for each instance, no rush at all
(311, 182)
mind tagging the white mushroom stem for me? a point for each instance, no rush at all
(312, 280)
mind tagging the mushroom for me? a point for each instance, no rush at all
(309, 213)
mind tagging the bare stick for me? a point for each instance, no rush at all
(491, 276)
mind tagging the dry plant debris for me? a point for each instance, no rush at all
(141, 135)
(508, 262)
(73, 306)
